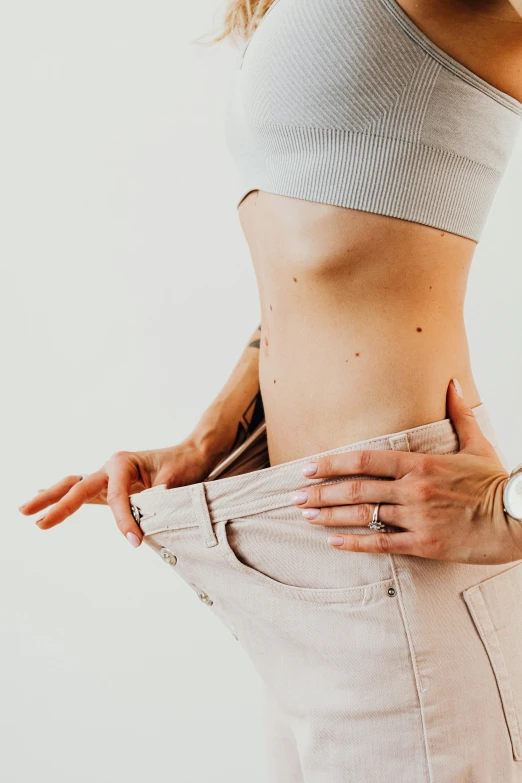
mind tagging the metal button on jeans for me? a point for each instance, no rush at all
(204, 597)
(391, 591)
(168, 556)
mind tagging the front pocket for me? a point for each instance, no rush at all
(354, 587)
(495, 605)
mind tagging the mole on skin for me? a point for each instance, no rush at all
(419, 329)
(294, 279)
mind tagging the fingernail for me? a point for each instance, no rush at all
(133, 538)
(311, 513)
(458, 387)
(22, 506)
(310, 468)
(335, 540)
(39, 520)
(300, 497)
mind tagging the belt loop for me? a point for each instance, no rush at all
(400, 442)
(200, 505)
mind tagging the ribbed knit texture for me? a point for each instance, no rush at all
(347, 102)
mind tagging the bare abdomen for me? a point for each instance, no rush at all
(362, 322)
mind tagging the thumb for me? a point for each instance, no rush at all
(471, 438)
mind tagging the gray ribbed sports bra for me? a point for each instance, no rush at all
(347, 102)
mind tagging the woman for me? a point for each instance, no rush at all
(384, 616)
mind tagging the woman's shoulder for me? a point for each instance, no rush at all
(485, 37)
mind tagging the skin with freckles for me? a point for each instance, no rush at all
(366, 327)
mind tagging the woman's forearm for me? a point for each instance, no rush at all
(227, 422)
(237, 409)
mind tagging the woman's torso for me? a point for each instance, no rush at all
(362, 314)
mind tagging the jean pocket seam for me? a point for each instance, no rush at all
(485, 627)
(421, 688)
(315, 595)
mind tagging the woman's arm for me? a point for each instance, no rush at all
(236, 411)
(234, 414)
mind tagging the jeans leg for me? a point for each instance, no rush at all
(283, 757)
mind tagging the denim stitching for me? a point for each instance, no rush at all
(420, 688)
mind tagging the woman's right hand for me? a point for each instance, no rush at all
(122, 475)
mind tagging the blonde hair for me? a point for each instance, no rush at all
(242, 18)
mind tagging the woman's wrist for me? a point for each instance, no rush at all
(226, 424)
(234, 413)
(212, 444)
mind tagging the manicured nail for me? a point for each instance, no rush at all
(335, 540)
(311, 513)
(133, 538)
(310, 468)
(458, 387)
(300, 497)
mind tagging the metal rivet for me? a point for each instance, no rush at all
(391, 591)
(204, 597)
(136, 513)
(168, 556)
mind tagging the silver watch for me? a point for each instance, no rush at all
(513, 494)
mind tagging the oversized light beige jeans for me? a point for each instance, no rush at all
(377, 668)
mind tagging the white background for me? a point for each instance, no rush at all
(127, 297)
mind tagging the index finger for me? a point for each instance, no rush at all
(370, 462)
(67, 501)
(50, 495)
(118, 491)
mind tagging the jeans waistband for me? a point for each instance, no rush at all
(205, 503)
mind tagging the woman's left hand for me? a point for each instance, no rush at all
(443, 507)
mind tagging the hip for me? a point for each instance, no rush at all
(323, 627)
(242, 522)
(314, 406)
